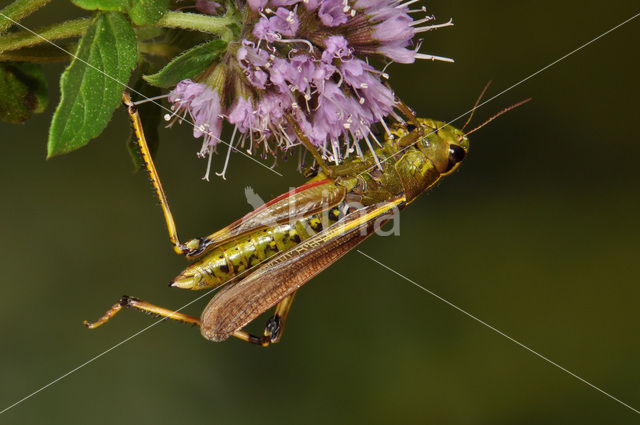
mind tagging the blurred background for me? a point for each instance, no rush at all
(536, 234)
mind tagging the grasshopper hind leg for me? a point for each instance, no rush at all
(145, 307)
(272, 333)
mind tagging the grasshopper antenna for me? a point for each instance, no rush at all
(504, 111)
(475, 105)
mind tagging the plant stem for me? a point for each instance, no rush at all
(39, 54)
(57, 31)
(197, 22)
(73, 28)
(18, 10)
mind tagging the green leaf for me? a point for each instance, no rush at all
(142, 12)
(24, 91)
(150, 115)
(188, 64)
(92, 84)
(114, 5)
(147, 12)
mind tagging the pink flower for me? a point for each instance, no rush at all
(332, 13)
(203, 105)
(302, 67)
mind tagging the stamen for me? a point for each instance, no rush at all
(275, 162)
(341, 77)
(290, 143)
(383, 74)
(397, 117)
(296, 40)
(373, 152)
(384, 125)
(206, 175)
(402, 5)
(431, 27)
(358, 150)
(151, 99)
(307, 98)
(374, 137)
(423, 9)
(433, 58)
(336, 159)
(226, 161)
(168, 117)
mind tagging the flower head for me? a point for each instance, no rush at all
(301, 67)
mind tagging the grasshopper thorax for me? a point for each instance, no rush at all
(444, 145)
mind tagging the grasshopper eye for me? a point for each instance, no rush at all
(456, 155)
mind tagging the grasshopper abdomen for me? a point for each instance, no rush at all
(234, 257)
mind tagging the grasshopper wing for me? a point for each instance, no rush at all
(238, 304)
(310, 198)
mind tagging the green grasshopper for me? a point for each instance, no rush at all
(261, 260)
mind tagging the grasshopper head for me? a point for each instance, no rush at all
(443, 144)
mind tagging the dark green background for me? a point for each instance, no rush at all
(537, 235)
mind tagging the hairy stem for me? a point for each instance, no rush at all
(197, 22)
(57, 31)
(18, 10)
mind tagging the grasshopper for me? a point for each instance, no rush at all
(262, 259)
